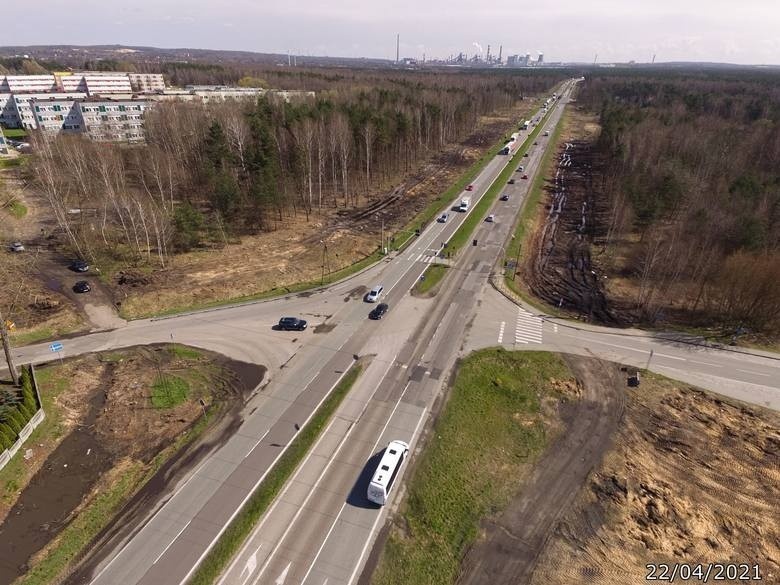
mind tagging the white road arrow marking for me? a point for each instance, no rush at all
(250, 566)
(281, 578)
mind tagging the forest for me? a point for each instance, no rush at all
(209, 172)
(693, 185)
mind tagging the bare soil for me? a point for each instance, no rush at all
(107, 421)
(562, 265)
(509, 545)
(693, 478)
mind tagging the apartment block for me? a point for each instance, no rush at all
(146, 82)
(3, 144)
(113, 121)
(27, 83)
(56, 115)
(25, 104)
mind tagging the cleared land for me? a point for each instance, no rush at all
(692, 478)
(103, 439)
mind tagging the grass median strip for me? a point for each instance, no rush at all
(490, 431)
(460, 237)
(245, 521)
(433, 275)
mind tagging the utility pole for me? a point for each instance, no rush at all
(7, 348)
(384, 250)
(397, 47)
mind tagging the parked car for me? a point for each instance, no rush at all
(511, 181)
(443, 218)
(16, 247)
(79, 266)
(536, 142)
(490, 218)
(505, 197)
(470, 188)
(520, 169)
(546, 132)
(82, 286)
(374, 294)
(379, 311)
(291, 324)
(525, 176)
(526, 154)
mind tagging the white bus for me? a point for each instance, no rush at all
(464, 204)
(386, 472)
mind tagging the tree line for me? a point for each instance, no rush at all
(210, 172)
(691, 176)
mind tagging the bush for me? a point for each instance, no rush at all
(7, 436)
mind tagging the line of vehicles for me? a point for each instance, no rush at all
(395, 453)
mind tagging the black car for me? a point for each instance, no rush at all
(378, 311)
(505, 197)
(82, 286)
(79, 266)
(291, 324)
(511, 181)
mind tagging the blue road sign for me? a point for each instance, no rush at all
(56, 346)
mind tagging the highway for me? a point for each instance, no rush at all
(321, 527)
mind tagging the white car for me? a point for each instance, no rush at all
(374, 294)
(546, 132)
(443, 218)
(16, 247)
(490, 218)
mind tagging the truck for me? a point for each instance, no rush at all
(525, 125)
(464, 204)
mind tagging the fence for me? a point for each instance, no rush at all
(25, 433)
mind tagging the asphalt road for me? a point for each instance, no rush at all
(321, 527)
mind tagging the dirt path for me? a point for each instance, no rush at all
(511, 545)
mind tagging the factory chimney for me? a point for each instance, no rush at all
(397, 47)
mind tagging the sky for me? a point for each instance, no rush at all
(745, 32)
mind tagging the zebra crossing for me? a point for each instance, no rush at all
(427, 257)
(528, 327)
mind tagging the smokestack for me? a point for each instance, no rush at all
(397, 47)
(500, 52)
(488, 54)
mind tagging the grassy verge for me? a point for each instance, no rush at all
(132, 313)
(433, 275)
(15, 133)
(489, 432)
(40, 334)
(17, 209)
(460, 237)
(7, 163)
(245, 521)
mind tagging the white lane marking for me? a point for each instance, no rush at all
(249, 493)
(555, 327)
(671, 357)
(170, 543)
(501, 331)
(283, 577)
(706, 364)
(373, 450)
(256, 444)
(418, 257)
(289, 483)
(754, 373)
(378, 516)
(250, 566)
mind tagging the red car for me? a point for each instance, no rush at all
(470, 188)
(525, 176)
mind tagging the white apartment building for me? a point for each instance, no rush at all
(113, 121)
(27, 83)
(95, 83)
(8, 116)
(25, 105)
(146, 82)
(3, 144)
(56, 115)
